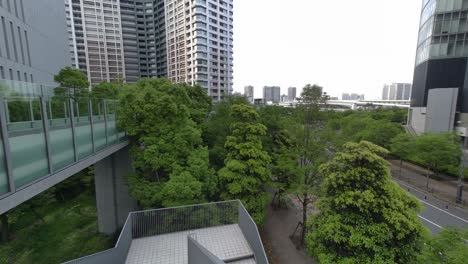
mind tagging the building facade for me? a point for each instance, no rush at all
(33, 40)
(249, 93)
(439, 99)
(396, 91)
(144, 38)
(292, 94)
(95, 35)
(199, 36)
(271, 94)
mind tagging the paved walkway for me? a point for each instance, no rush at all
(279, 225)
(444, 187)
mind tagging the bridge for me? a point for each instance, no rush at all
(49, 135)
(356, 104)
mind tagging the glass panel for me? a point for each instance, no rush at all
(99, 124)
(61, 137)
(84, 142)
(27, 143)
(112, 132)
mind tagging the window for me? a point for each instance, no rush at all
(25, 77)
(5, 37)
(14, 41)
(2, 73)
(11, 73)
(19, 75)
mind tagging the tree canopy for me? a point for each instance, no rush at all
(157, 116)
(364, 217)
(246, 167)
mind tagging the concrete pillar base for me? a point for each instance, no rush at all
(113, 201)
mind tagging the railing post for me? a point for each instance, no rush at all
(91, 120)
(105, 121)
(115, 120)
(31, 112)
(6, 146)
(45, 125)
(72, 123)
(7, 111)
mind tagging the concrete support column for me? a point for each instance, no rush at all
(112, 199)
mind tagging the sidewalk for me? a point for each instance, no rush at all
(445, 187)
(279, 225)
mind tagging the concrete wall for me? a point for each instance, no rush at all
(417, 119)
(38, 45)
(441, 109)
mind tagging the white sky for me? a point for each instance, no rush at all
(343, 45)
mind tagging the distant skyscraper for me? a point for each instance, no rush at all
(346, 96)
(284, 98)
(200, 44)
(292, 94)
(95, 36)
(249, 93)
(271, 94)
(396, 91)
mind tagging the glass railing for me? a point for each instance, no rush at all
(46, 129)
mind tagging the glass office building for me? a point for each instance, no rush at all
(441, 68)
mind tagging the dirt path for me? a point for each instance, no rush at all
(279, 225)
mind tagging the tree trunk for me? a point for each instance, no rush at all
(305, 202)
(4, 235)
(427, 178)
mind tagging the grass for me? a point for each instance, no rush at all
(69, 232)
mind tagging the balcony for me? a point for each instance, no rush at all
(211, 233)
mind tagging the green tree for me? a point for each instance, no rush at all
(246, 169)
(448, 247)
(182, 189)
(201, 103)
(402, 146)
(312, 146)
(72, 81)
(157, 116)
(437, 151)
(106, 90)
(379, 132)
(364, 217)
(217, 127)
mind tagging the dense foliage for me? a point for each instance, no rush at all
(246, 169)
(364, 217)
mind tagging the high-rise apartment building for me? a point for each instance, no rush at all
(396, 91)
(186, 41)
(33, 40)
(95, 34)
(439, 100)
(144, 38)
(271, 94)
(292, 94)
(249, 93)
(199, 40)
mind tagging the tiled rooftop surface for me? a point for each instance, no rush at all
(226, 242)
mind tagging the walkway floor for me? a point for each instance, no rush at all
(279, 225)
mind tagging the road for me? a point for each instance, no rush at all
(437, 214)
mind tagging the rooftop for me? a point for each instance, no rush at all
(216, 233)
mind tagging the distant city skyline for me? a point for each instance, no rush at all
(362, 66)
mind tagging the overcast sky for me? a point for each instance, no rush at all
(345, 46)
